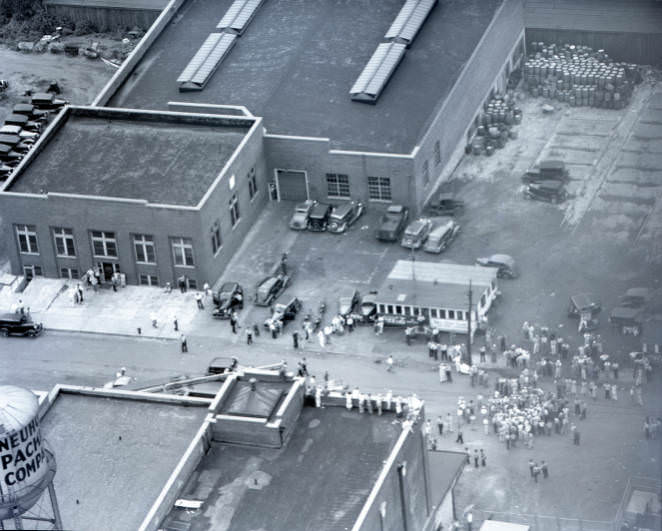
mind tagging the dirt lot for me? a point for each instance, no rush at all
(80, 79)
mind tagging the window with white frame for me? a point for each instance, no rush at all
(148, 280)
(104, 244)
(64, 242)
(252, 183)
(337, 185)
(182, 252)
(216, 241)
(31, 271)
(234, 210)
(144, 247)
(379, 188)
(27, 239)
(69, 272)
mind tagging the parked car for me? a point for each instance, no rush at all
(441, 237)
(636, 298)
(10, 140)
(319, 217)
(550, 169)
(505, 264)
(416, 233)
(446, 205)
(23, 121)
(584, 302)
(627, 320)
(347, 300)
(5, 171)
(284, 312)
(16, 130)
(222, 364)
(46, 101)
(270, 288)
(229, 297)
(8, 155)
(344, 216)
(29, 110)
(18, 324)
(299, 219)
(392, 223)
(368, 307)
(550, 191)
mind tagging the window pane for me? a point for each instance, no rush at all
(71, 251)
(112, 250)
(98, 248)
(23, 243)
(140, 255)
(189, 255)
(151, 256)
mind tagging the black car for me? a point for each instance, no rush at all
(446, 205)
(550, 191)
(547, 170)
(392, 223)
(222, 364)
(228, 298)
(584, 303)
(318, 218)
(282, 313)
(17, 324)
(270, 288)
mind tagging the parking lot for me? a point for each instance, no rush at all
(603, 240)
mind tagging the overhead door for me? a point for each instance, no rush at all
(292, 185)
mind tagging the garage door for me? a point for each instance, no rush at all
(292, 185)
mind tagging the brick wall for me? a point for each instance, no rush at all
(451, 122)
(314, 156)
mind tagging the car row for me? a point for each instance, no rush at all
(319, 217)
(22, 128)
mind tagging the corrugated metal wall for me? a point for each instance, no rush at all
(107, 19)
(630, 30)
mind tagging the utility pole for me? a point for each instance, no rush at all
(469, 327)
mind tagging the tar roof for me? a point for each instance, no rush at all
(334, 455)
(91, 155)
(297, 61)
(115, 481)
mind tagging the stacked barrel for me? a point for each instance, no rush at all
(496, 123)
(579, 76)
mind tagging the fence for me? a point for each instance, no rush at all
(651, 520)
(544, 523)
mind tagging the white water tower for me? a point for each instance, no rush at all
(27, 465)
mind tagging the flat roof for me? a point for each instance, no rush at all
(157, 5)
(440, 273)
(417, 293)
(115, 481)
(297, 61)
(261, 488)
(119, 154)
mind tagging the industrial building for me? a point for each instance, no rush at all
(154, 195)
(242, 457)
(367, 100)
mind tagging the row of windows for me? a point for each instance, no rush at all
(337, 184)
(413, 311)
(104, 245)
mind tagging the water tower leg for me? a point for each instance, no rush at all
(18, 521)
(54, 505)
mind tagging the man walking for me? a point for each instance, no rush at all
(233, 322)
(295, 339)
(531, 466)
(440, 425)
(249, 335)
(483, 458)
(198, 300)
(545, 472)
(460, 438)
(175, 323)
(183, 342)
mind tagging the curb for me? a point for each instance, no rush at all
(103, 333)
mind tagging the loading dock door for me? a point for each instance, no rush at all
(292, 185)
